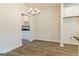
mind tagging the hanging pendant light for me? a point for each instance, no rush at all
(33, 11)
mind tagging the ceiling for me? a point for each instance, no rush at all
(42, 5)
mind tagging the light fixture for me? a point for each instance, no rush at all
(33, 11)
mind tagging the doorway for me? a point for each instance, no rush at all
(26, 30)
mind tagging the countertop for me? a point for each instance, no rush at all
(25, 28)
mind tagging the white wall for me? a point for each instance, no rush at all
(10, 26)
(43, 28)
(33, 27)
(48, 25)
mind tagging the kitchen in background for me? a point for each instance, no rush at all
(26, 33)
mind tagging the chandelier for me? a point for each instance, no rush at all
(33, 11)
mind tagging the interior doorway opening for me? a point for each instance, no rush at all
(26, 30)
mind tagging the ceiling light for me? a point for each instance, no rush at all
(33, 11)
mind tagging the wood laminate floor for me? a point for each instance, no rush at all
(43, 48)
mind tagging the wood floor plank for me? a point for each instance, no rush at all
(44, 48)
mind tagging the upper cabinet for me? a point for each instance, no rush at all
(67, 11)
(75, 10)
(71, 11)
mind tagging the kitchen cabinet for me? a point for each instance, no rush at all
(75, 10)
(71, 11)
(68, 12)
(26, 35)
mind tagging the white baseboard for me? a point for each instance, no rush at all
(11, 49)
(56, 41)
(61, 44)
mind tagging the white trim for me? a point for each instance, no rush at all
(10, 49)
(65, 43)
(61, 39)
(61, 44)
(56, 41)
